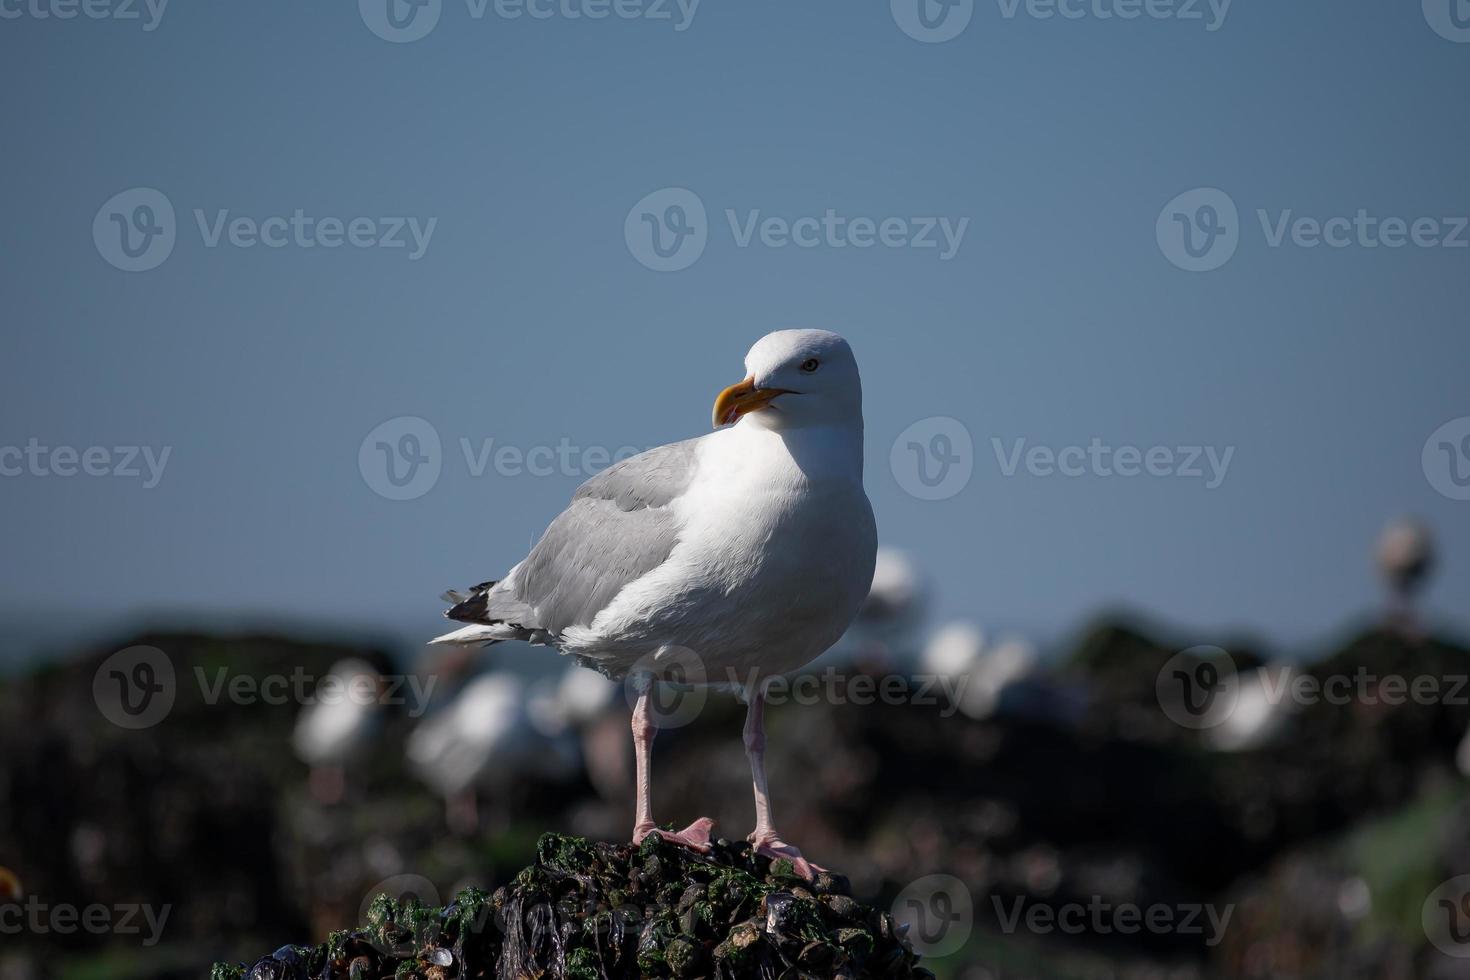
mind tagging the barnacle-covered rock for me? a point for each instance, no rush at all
(586, 911)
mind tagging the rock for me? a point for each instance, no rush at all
(590, 910)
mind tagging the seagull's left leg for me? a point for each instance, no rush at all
(767, 842)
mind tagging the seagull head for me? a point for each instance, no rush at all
(795, 378)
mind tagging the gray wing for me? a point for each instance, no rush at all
(618, 528)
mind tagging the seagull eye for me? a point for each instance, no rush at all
(810, 364)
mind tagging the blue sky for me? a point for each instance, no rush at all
(521, 148)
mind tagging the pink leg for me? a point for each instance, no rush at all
(697, 835)
(767, 842)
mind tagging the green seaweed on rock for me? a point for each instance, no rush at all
(588, 911)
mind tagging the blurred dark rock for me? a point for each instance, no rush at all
(1325, 837)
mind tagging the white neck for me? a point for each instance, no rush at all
(817, 450)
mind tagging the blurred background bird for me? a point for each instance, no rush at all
(485, 738)
(338, 727)
(1406, 557)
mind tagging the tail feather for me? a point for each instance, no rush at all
(510, 619)
(471, 607)
(477, 634)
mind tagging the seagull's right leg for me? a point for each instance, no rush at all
(697, 835)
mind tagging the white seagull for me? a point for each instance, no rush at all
(1405, 555)
(729, 559)
(334, 730)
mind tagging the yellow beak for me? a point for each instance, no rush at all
(739, 399)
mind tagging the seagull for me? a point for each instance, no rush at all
(959, 650)
(953, 650)
(1405, 555)
(728, 560)
(334, 730)
(486, 735)
(1260, 713)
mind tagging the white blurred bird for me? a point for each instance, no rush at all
(885, 633)
(1261, 711)
(1406, 557)
(1005, 665)
(483, 737)
(953, 649)
(337, 727)
(958, 650)
(582, 696)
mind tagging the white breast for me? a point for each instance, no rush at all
(774, 558)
